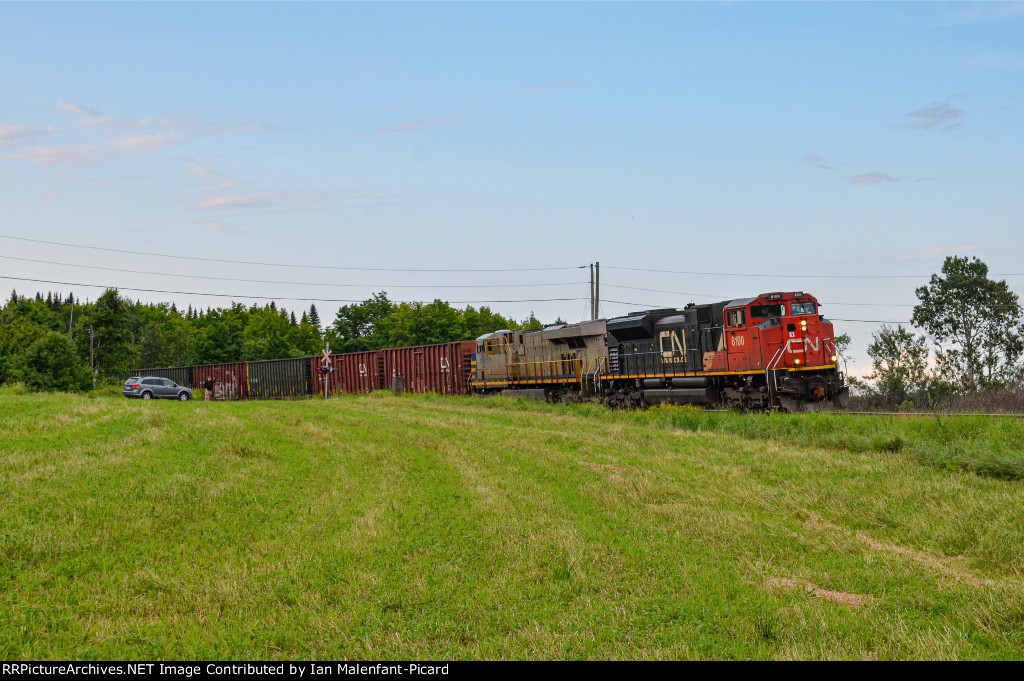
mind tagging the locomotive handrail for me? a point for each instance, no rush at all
(576, 365)
(772, 365)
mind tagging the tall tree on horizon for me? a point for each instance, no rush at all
(975, 322)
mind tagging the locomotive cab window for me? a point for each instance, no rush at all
(802, 308)
(736, 317)
(762, 311)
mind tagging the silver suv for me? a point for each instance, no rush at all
(154, 387)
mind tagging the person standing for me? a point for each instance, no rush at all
(208, 385)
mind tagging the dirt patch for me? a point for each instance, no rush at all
(944, 564)
(617, 471)
(841, 597)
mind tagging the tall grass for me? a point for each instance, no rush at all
(428, 527)
(983, 445)
(989, 446)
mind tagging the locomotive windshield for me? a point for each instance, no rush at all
(762, 311)
(802, 308)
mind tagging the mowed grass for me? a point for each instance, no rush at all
(427, 527)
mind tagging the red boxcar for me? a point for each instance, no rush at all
(357, 372)
(442, 368)
(232, 379)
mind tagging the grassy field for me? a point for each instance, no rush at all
(428, 527)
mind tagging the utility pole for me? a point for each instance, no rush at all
(592, 291)
(92, 364)
(597, 290)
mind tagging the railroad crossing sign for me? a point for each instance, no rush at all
(326, 370)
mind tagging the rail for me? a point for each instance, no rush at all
(917, 414)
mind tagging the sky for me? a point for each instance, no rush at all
(844, 149)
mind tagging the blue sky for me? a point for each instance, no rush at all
(779, 139)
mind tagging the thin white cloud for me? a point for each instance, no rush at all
(74, 155)
(819, 162)
(156, 140)
(77, 109)
(258, 200)
(872, 179)
(98, 180)
(96, 137)
(938, 116)
(17, 135)
(216, 225)
(235, 200)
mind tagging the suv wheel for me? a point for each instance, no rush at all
(147, 395)
(183, 397)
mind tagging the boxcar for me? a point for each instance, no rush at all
(357, 372)
(442, 368)
(277, 378)
(232, 383)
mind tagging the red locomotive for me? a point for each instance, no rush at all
(774, 351)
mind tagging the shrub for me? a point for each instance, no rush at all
(51, 363)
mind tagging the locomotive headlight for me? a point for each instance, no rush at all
(803, 323)
(834, 358)
(796, 361)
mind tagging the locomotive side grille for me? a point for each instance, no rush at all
(613, 360)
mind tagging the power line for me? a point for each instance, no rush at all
(719, 297)
(231, 295)
(797, 276)
(271, 281)
(275, 264)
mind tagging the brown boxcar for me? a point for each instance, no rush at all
(232, 379)
(276, 378)
(442, 368)
(357, 372)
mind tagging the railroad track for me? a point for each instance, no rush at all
(918, 414)
(924, 413)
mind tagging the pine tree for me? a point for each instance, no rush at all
(294, 322)
(314, 316)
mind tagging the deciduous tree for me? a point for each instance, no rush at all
(975, 323)
(900, 362)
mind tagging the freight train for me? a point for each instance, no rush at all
(771, 352)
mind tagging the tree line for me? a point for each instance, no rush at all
(44, 341)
